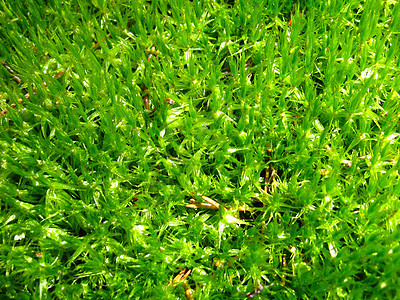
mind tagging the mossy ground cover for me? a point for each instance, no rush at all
(116, 115)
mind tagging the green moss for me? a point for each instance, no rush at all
(94, 182)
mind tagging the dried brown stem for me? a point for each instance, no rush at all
(208, 204)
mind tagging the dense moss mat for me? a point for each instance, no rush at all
(115, 114)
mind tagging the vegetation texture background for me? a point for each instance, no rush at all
(289, 109)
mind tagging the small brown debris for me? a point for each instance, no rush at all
(59, 74)
(210, 204)
(170, 101)
(17, 79)
(181, 278)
